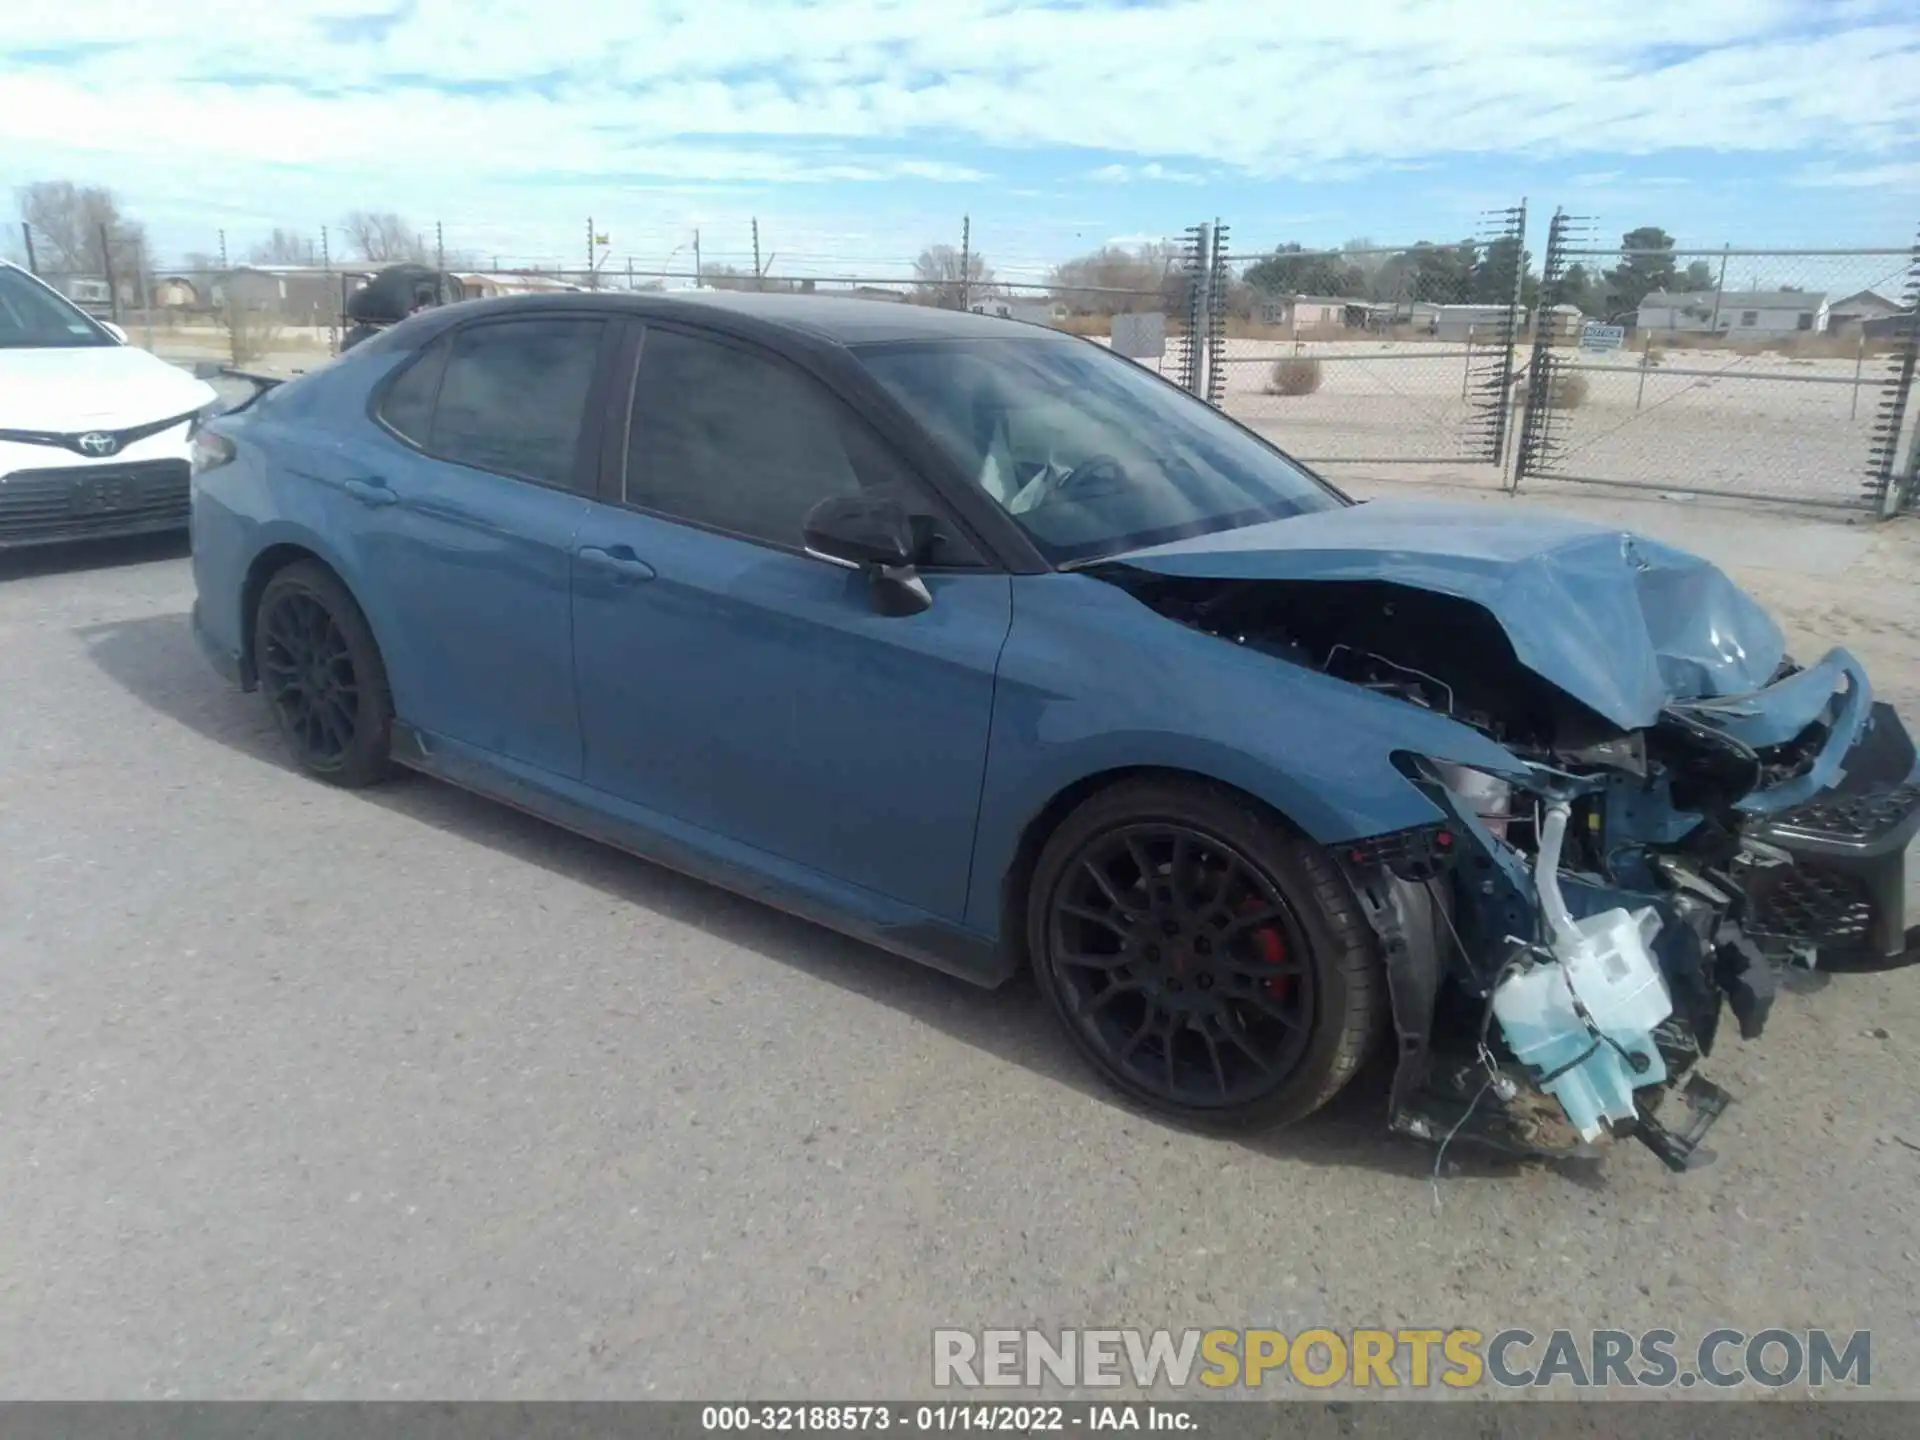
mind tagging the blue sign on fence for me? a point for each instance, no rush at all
(1602, 337)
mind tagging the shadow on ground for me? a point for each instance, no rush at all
(80, 555)
(157, 661)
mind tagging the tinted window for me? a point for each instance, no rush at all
(33, 317)
(1089, 453)
(729, 439)
(515, 395)
(408, 408)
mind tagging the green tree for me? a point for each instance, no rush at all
(1698, 276)
(1582, 288)
(1294, 270)
(1441, 274)
(1490, 282)
(1646, 265)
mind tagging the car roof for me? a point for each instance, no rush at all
(841, 320)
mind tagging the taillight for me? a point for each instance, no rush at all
(210, 451)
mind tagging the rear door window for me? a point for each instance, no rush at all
(508, 396)
(514, 398)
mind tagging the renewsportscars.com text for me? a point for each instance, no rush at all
(1458, 1358)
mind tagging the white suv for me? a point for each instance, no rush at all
(93, 432)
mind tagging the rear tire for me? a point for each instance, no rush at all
(1206, 959)
(322, 673)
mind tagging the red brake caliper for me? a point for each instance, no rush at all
(1271, 946)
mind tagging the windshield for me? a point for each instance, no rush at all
(32, 317)
(1089, 453)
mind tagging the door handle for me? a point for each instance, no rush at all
(619, 560)
(371, 493)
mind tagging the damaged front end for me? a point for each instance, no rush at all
(1686, 811)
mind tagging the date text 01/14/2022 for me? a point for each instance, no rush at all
(1012, 1419)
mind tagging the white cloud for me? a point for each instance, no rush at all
(1152, 172)
(511, 107)
(1898, 175)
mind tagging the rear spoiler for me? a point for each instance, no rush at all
(214, 370)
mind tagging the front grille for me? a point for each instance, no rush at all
(1809, 906)
(81, 500)
(1849, 819)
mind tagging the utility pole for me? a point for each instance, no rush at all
(756, 252)
(1719, 288)
(223, 249)
(699, 276)
(590, 284)
(146, 303)
(339, 299)
(26, 235)
(106, 264)
(439, 252)
(966, 262)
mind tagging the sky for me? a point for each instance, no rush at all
(859, 131)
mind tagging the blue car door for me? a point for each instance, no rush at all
(732, 682)
(463, 521)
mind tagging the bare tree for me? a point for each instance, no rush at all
(1113, 280)
(283, 247)
(725, 277)
(383, 237)
(940, 278)
(66, 221)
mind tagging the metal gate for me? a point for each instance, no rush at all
(1787, 378)
(1407, 357)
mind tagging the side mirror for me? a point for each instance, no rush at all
(874, 534)
(114, 330)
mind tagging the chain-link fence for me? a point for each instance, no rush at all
(1379, 354)
(1765, 374)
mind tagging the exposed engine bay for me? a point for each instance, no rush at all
(1686, 813)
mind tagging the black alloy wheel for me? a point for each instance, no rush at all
(1208, 961)
(322, 673)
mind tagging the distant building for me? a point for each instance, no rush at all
(1312, 312)
(175, 292)
(1849, 315)
(1734, 314)
(480, 285)
(1897, 326)
(1033, 312)
(1564, 323)
(293, 294)
(1472, 322)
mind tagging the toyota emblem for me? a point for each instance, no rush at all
(94, 442)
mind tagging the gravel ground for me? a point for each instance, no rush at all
(408, 1095)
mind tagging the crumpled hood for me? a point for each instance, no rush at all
(93, 387)
(1621, 623)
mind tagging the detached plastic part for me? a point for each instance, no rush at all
(1680, 1149)
(1584, 1023)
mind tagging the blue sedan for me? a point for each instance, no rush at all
(983, 644)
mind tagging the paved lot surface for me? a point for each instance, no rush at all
(405, 1094)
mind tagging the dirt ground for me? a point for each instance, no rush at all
(402, 1094)
(1711, 420)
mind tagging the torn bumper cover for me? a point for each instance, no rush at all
(1809, 867)
(1676, 808)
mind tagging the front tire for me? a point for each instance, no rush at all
(322, 673)
(1207, 960)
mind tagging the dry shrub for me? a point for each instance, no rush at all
(1085, 325)
(1295, 375)
(1566, 391)
(251, 333)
